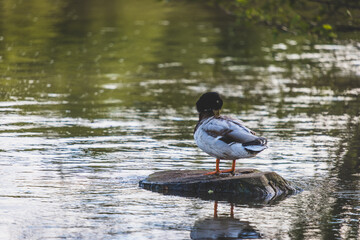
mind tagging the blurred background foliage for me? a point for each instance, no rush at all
(318, 18)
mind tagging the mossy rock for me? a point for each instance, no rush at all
(244, 183)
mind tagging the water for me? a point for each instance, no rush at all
(95, 97)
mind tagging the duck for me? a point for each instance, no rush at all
(223, 137)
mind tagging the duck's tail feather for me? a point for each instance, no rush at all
(256, 145)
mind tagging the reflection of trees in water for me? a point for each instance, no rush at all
(346, 171)
(347, 165)
(333, 206)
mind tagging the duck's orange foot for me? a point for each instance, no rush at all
(217, 170)
(232, 171)
(222, 171)
(213, 173)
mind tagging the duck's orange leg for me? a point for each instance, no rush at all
(232, 169)
(217, 170)
(215, 209)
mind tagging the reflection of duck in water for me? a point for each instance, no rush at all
(223, 228)
(224, 137)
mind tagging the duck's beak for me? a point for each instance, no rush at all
(216, 112)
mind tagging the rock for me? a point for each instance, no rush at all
(246, 183)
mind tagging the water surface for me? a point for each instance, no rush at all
(95, 97)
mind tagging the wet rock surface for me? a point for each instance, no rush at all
(246, 182)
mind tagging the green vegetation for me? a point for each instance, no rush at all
(319, 18)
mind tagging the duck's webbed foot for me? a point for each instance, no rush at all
(217, 170)
(232, 171)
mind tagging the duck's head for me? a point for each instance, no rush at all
(209, 103)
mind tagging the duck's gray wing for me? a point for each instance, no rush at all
(231, 131)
